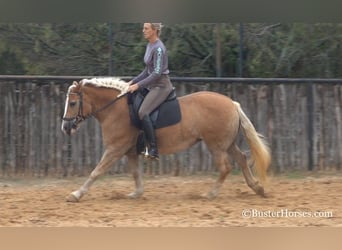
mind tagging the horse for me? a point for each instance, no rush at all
(206, 116)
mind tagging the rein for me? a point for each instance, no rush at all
(80, 117)
(107, 105)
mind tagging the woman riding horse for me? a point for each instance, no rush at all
(94, 98)
(155, 78)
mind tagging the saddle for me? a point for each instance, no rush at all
(167, 114)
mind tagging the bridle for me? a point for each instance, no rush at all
(80, 117)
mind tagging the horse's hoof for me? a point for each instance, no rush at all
(210, 196)
(72, 198)
(260, 191)
(134, 195)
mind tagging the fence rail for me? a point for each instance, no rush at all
(301, 119)
(46, 79)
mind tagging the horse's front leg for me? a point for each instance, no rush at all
(108, 158)
(133, 164)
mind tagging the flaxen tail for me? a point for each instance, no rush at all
(260, 152)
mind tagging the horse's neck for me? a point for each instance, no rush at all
(100, 98)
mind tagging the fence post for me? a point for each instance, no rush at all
(310, 124)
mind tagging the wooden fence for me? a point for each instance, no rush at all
(300, 118)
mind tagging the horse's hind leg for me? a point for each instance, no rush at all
(222, 163)
(241, 159)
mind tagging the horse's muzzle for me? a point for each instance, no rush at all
(69, 127)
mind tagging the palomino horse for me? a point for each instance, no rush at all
(207, 116)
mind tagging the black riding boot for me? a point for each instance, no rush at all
(141, 147)
(150, 136)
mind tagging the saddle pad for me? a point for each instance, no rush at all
(167, 114)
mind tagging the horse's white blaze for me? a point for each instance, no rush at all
(65, 109)
(66, 106)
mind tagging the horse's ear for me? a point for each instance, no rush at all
(75, 83)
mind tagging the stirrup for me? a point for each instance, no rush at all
(147, 155)
(153, 157)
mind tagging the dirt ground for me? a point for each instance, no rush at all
(292, 200)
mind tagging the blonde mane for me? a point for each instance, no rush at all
(108, 82)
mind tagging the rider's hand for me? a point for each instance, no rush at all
(133, 88)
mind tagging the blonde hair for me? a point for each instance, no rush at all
(158, 27)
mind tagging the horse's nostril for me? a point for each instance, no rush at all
(66, 127)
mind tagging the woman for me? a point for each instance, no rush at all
(154, 77)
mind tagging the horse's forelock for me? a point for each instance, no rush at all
(74, 87)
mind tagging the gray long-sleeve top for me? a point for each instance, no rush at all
(156, 61)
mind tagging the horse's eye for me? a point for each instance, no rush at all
(72, 104)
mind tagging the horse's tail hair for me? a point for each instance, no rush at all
(260, 152)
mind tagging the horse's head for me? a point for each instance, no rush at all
(78, 106)
(76, 109)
